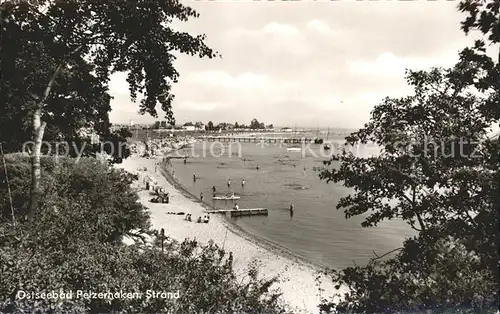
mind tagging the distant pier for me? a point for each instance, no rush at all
(178, 157)
(272, 140)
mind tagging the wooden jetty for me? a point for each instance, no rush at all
(241, 212)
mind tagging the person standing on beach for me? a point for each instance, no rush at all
(229, 183)
(291, 209)
(201, 197)
(243, 183)
(194, 177)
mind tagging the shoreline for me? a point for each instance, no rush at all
(263, 243)
(297, 280)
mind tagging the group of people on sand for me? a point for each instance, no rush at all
(205, 219)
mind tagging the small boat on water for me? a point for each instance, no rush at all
(318, 140)
(226, 197)
(327, 146)
(294, 148)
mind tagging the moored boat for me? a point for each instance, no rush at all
(327, 146)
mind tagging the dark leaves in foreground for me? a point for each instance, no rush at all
(86, 211)
(438, 170)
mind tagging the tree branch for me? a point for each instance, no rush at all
(136, 235)
(415, 228)
(48, 88)
(412, 203)
(420, 221)
(383, 255)
(419, 217)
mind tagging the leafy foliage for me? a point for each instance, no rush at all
(86, 210)
(57, 59)
(439, 171)
(78, 45)
(69, 181)
(58, 56)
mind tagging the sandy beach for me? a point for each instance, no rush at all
(297, 278)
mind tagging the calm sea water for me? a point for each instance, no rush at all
(317, 231)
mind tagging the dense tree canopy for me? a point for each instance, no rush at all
(438, 170)
(57, 58)
(62, 53)
(83, 42)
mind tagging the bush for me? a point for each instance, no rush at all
(86, 210)
(109, 206)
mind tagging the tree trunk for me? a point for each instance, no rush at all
(38, 130)
(8, 186)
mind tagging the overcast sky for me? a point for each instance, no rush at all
(304, 63)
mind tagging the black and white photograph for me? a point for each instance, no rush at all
(249, 156)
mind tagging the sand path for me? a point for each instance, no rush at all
(297, 282)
